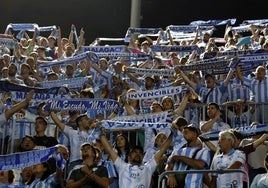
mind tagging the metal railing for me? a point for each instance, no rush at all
(161, 176)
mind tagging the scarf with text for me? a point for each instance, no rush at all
(246, 131)
(81, 104)
(25, 159)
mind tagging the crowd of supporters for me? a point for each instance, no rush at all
(120, 112)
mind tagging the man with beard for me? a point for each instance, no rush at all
(89, 174)
(84, 133)
(135, 173)
(191, 156)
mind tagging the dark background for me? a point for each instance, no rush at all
(111, 18)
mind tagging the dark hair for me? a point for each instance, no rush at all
(92, 147)
(11, 176)
(237, 134)
(192, 128)
(181, 121)
(43, 119)
(27, 136)
(214, 104)
(41, 105)
(137, 147)
(20, 149)
(87, 93)
(168, 97)
(127, 146)
(47, 172)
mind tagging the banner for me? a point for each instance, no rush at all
(5, 85)
(9, 43)
(150, 118)
(118, 125)
(170, 48)
(246, 131)
(21, 26)
(159, 72)
(213, 22)
(37, 97)
(25, 159)
(71, 83)
(92, 57)
(149, 94)
(187, 28)
(115, 51)
(81, 104)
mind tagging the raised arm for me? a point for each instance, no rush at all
(186, 79)
(171, 41)
(81, 39)
(183, 104)
(260, 140)
(33, 40)
(22, 104)
(107, 146)
(163, 148)
(228, 77)
(208, 125)
(57, 121)
(71, 34)
(60, 50)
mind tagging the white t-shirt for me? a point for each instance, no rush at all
(223, 161)
(76, 138)
(134, 176)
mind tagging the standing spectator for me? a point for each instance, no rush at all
(149, 153)
(256, 159)
(41, 139)
(76, 137)
(51, 49)
(89, 174)
(188, 157)
(215, 123)
(13, 73)
(230, 158)
(26, 176)
(8, 113)
(18, 58)
(238, 86)
(25, 75)
(260, 181)
(210, 92)
(259, 87)
(239, 112)
(45, 177)
(135, 173)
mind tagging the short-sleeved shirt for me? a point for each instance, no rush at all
(216, 95)
(133, 176)
(259, 90)
(191, 179)
(256, 159)
(223, 161)
(76, 174)
(260, 181)
(238, 89)
(76, 138)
